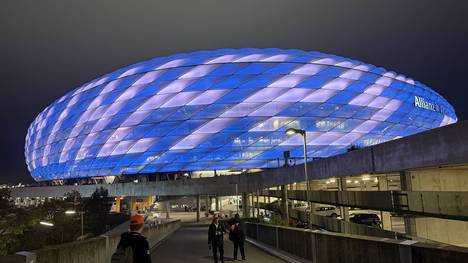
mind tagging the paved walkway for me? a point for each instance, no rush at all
(189, 245)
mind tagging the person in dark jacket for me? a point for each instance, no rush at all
(138, 242)
(238, 236)
(215, 239)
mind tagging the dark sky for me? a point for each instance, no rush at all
(49, 47)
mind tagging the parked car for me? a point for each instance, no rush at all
(368, 219)
(331, 211)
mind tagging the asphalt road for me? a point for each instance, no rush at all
(189, 245)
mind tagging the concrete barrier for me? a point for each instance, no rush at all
(316, 246)
(93, 250)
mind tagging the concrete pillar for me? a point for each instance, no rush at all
(207, 203)
(220, 203)
(405, 181)
(344, 211)
(284, 204)
(198, 208)
(27, 256)
(258, 204)
(253, 204)
(384, 216)
(405, 184)
(168, 209)
(245, 205)
(217, 203)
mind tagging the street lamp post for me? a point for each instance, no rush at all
(237, 198)
(292, 131)
(72, 212)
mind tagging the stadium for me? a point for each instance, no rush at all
(225, 109)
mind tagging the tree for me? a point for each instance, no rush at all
(97, 209)
(5, 198)
(51, 208)
(74, 199)
(14, 223)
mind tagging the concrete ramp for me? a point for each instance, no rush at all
(190, 244)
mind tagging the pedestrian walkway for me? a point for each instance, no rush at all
(190, 245)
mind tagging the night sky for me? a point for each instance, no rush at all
(47, 48)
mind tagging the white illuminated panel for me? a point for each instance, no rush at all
(320, 95)
(266, 95)
(362, 99)
(288, 81)
(270, 109)
(154, 102)
(337, 84)
(375, 89)
(309, 69)
(172, 64)
(223, 59)
(198, 71)
(273, 124)
(190, 141)
(366, 126)
(215, 125)
(327, 138)
(142, 145)
(208, 97)
(241, 110)
(119, 134)
(180, 99)
(122, 147)
(294, 95)
(352, 74)
(176, 86)
(148, 77)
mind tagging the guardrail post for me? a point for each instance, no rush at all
(257, 231)
(313, 240)
(108, 252)
(29, 257)
(277, 238)
(405, 251)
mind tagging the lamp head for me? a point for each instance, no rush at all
(292, 131)
(45, 223)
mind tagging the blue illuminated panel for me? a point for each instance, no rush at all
(225, 109)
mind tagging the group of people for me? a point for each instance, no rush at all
(216, 233)
(134, 247)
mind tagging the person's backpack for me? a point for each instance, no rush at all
(122, 255)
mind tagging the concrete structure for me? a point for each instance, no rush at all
(93, 250)
(426, 176)
(434, 149)
(189, 245)
(316, 246)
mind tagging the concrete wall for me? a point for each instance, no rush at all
(443, 230)
(442, 180)
(447, 179)
(443, 146)
(93, 250)
(318, 246)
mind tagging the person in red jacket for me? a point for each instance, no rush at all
(136, 240)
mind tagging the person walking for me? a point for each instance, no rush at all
(215, 239)
(133, 246)
(237, 236)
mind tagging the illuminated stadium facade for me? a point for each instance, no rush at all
(225, 109)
